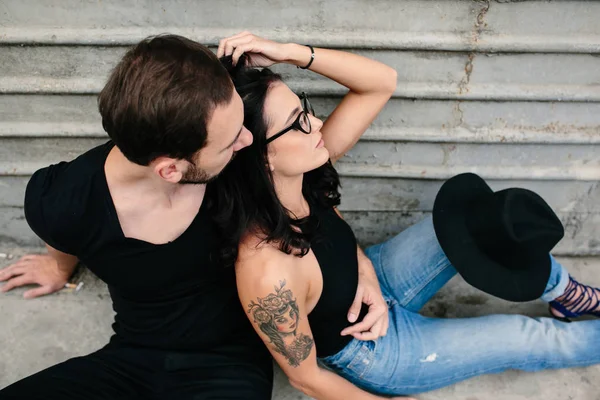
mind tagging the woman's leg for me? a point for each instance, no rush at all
(421, 354)
(412, 267)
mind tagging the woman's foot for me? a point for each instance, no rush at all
(577, 300)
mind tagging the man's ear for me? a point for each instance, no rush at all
(169, 169)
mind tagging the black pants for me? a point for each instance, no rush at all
(117, 372)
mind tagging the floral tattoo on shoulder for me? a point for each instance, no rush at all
(277, 316)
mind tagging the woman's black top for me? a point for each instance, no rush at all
(334, 246)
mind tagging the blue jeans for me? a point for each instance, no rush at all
(420, 354)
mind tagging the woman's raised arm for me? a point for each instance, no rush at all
(370, 83)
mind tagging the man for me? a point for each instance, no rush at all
(132, 211)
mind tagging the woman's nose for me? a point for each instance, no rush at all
(316, 123)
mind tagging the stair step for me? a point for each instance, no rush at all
(421, 75)
(502, 26)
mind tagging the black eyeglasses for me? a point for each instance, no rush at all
(301, 123)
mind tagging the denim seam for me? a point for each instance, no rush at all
(486, 371)
(418, 289)
(383, 275)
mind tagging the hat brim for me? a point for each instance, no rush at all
(529, 276)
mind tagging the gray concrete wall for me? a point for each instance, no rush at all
(509, 90)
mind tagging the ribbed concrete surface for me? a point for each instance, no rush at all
(39, 333)
(487, 25)
(437, 75)
(505, 89)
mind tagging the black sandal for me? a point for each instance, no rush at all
(585, 303)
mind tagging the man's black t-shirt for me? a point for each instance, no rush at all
(172, 296)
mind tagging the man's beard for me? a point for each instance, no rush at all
(197, 176)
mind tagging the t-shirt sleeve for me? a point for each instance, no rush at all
(49, 209)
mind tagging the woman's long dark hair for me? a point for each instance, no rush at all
(244, 194)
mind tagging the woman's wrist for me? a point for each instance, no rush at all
(297, 54)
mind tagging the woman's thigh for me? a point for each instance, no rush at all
(411, 267)
(420, 354)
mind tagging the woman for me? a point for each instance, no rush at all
(298, 266)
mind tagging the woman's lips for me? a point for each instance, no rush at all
(320, 144)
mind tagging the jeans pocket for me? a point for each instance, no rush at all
(363, 360)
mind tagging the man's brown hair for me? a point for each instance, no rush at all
(159, 98)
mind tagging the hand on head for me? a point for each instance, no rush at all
(260, 52)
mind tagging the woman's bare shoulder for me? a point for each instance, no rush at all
(255, 250)
(259, 260)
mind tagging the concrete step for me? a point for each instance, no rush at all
(502, 26)
(42, 332)
(582, 229)
(37, 116)
(401, 194)
(421, 75)
(374, 158)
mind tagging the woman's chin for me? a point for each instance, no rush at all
(323, 152)
(322, 155)
(321, 159)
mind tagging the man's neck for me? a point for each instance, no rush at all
(148, 207)
(139, 181)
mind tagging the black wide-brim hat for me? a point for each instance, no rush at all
(499, 242)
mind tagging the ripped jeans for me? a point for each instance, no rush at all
(420, 354)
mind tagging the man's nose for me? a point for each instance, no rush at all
(244, 140)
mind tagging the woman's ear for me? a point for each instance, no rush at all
(271, 161)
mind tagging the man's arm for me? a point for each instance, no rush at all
(50, 271)
(365, 266)
(51, 216)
